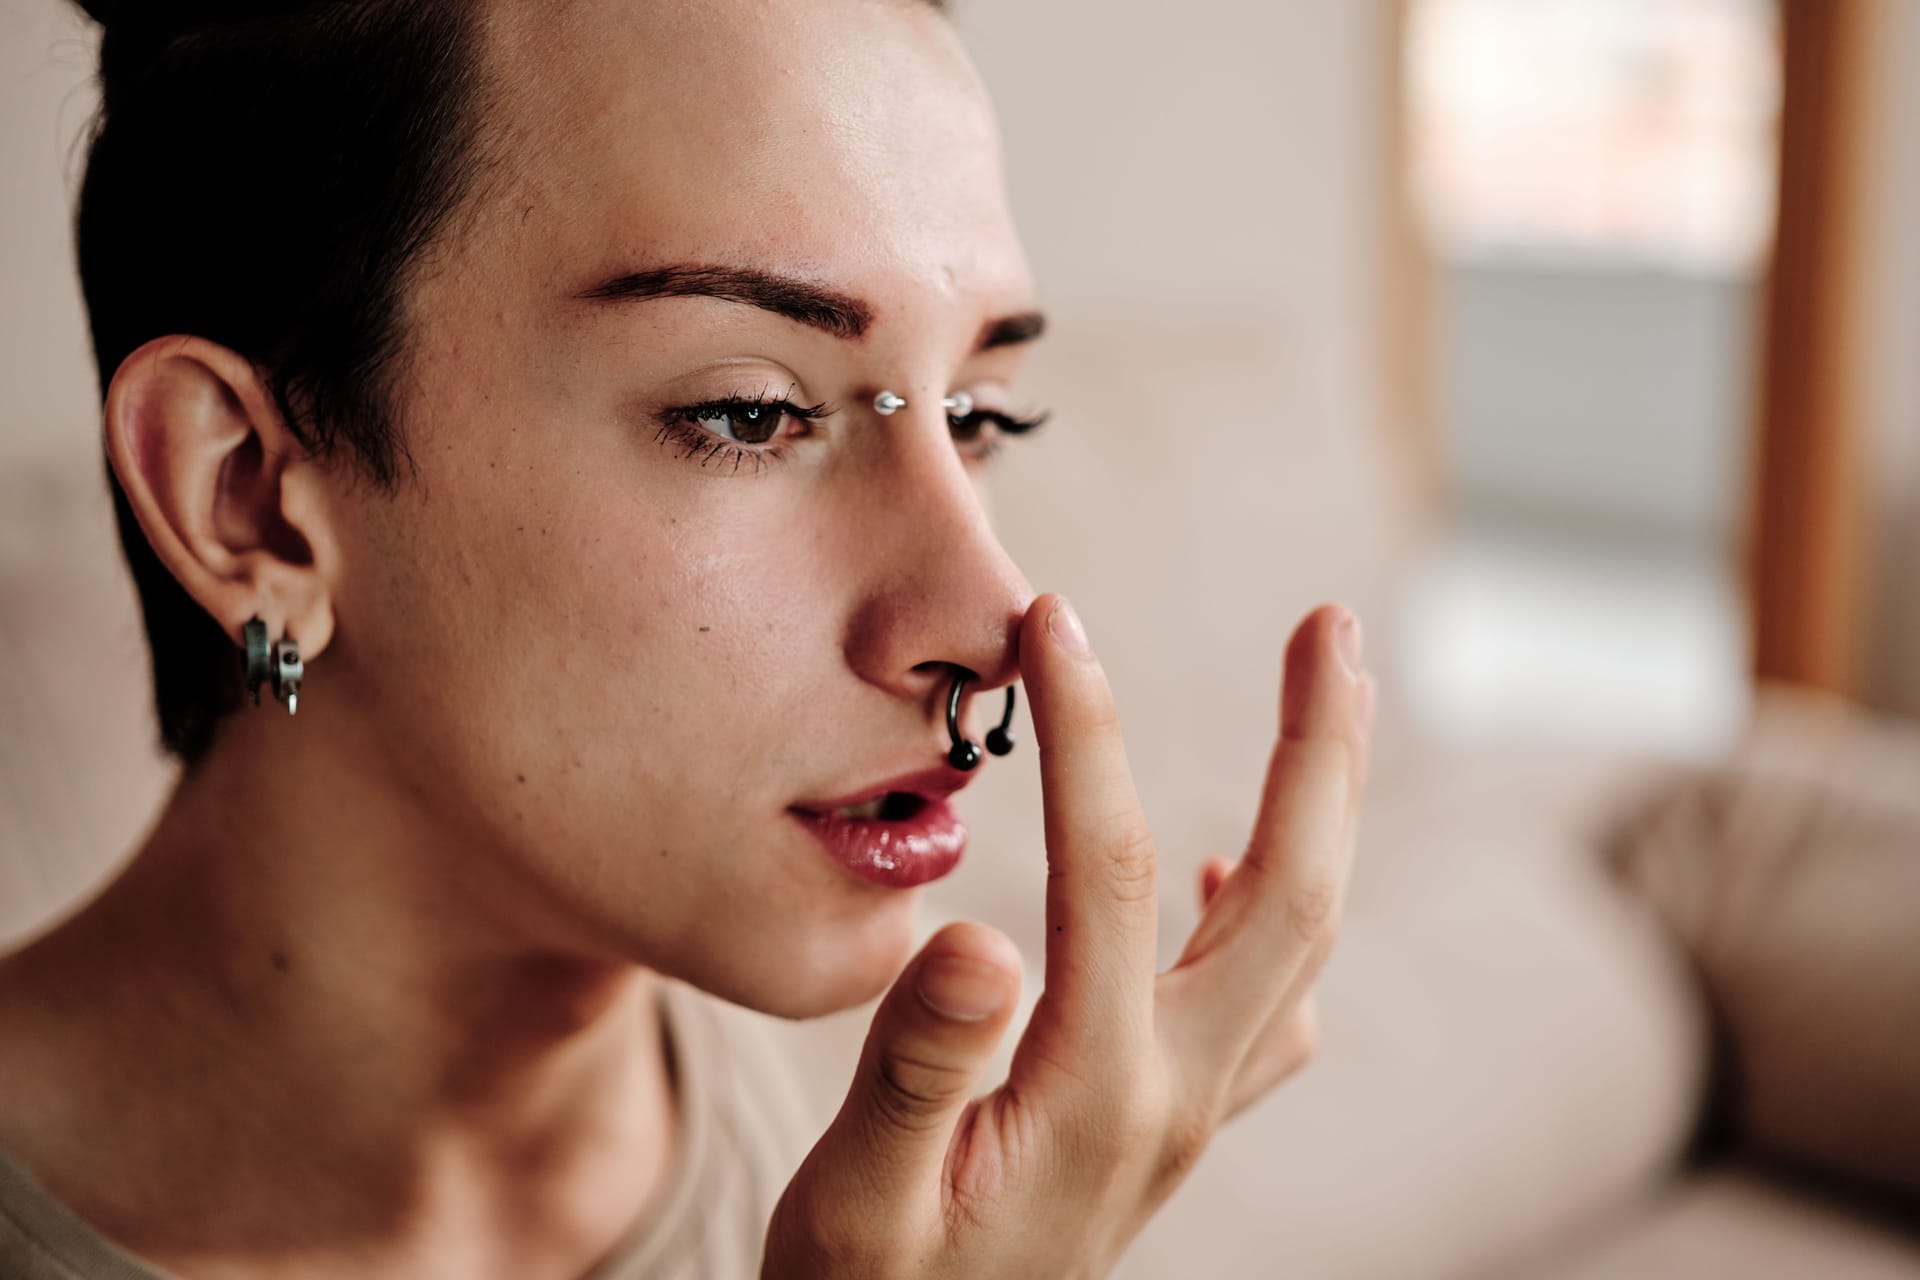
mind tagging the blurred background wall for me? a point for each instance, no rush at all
(46, 62)
(78, 773)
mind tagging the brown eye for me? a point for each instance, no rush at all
(740, 420)
(745, 423)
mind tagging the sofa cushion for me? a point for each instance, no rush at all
(1792, 875)
(1734, 1223)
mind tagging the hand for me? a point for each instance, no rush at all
(1123, 1074)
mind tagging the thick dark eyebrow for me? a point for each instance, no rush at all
(1012, 330)
(810, 304)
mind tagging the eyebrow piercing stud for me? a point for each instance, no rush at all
(886, 404)
(965, 753)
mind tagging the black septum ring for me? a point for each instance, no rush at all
(966, 752)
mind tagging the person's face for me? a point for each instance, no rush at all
(612, 649)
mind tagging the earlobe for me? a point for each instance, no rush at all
(207, 462)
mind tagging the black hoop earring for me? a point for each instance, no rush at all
(965, 753)
(278, 662)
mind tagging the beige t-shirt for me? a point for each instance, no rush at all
(742, 1131)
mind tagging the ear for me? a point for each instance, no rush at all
(233, 505)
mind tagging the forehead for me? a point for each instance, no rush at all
(844, 139)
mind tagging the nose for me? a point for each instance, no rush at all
(942, 595)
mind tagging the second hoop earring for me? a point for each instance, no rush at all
(965, 753)
(279, 662)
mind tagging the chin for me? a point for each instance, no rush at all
(817, 970)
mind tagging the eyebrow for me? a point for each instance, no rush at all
(1012, 330)
(813, 305)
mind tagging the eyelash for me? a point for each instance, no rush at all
(681, 428)
(1004, 425)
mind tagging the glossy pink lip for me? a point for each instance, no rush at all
(898, 853)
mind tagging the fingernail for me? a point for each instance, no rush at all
(1366, 710)
(961, 990)
(1063, 624)
(1347, 634)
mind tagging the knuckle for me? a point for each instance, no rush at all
(912, 1094)
(1312, 910)
(1132, 866)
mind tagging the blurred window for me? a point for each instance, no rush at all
(1595, 180)
(1637, 128)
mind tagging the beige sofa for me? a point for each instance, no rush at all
(1584, 1011)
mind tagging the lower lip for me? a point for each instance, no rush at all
(898, 854)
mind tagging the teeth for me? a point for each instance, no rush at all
(870, 809)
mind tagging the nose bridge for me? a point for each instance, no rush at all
(946, 593)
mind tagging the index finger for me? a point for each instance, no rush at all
(1102, 899)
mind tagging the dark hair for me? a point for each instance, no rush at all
(269, 176)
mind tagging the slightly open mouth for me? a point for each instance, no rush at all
(895, 806)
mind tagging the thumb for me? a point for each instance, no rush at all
(931, 1039)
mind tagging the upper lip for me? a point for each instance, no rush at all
(929, 784)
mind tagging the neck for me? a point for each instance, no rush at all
(352, 1032)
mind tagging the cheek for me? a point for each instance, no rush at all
(604, 682)
(635, 651)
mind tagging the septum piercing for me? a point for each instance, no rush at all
(965, 753)
(886, 404)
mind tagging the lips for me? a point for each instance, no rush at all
(928, 784)
(899, 833)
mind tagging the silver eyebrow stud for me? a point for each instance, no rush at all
(886, 404)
